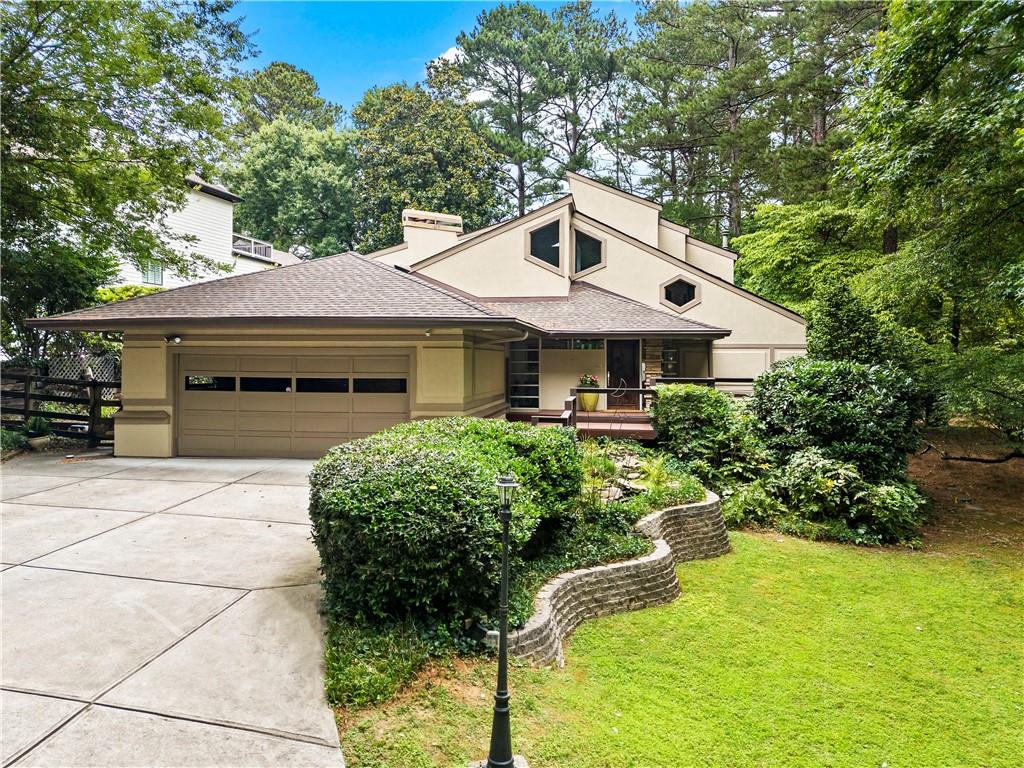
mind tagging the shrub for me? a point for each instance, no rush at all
(406, 520)
(842, 327)
(754, 503)
(826, 498)
(863, 415)
(817, 487)
(693, 421)
(10, 440)
(893, 511)
(37, 426)
(710, 432)
(545, 461)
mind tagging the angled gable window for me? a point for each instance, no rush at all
(589, 252)
(680, 294)
(543, 244)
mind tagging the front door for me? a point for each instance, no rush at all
(624, 372)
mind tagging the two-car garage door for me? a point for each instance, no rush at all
(266, 404)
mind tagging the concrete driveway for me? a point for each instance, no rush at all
(160, 612)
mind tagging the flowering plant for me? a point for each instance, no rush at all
(586, 380)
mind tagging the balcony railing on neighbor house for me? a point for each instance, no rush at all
(243, 245)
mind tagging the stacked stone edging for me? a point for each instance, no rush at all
(693, 531)
(688, 532)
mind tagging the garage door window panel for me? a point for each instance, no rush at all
(379, 386)
(321, 385)
(265, 384)
(210, 383)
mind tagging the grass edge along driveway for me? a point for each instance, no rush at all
(785, 652)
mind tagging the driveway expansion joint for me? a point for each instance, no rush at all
(256, 544)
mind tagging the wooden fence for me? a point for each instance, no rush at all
(78, 410)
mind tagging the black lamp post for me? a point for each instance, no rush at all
(500, 754)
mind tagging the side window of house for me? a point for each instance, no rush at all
(588, 251)
(152, 273)
(544, 244)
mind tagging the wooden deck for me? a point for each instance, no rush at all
(626, 424)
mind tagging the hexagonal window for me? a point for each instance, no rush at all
(679, 293)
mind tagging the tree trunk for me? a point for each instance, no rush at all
(735, 191)
(954, 325)
(890, 240)
(521, 188)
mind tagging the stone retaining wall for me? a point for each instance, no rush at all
(693, 531)
(688, 532)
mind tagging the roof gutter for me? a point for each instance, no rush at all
(115, 324)
(702, 333)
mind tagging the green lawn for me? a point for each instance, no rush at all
(784, 653)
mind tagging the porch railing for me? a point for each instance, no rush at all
(706, 382)
(645, 396)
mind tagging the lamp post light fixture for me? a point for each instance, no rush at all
(500, 754)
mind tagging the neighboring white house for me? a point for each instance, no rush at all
(208, 216)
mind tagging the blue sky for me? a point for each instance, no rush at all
(352, 46)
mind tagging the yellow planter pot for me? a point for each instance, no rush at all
(588, 400)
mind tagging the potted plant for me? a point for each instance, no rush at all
(588, 400)
(37, 430)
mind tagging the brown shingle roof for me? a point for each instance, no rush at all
(346, 288)
(595, 311)
(350, 289)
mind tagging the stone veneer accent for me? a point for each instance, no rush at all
(689, 532)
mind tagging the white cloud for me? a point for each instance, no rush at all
(454, 54)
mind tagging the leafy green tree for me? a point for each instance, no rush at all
(717, 55)
(581, 66)
(814, 48)
(418, 148)
(986, 383)
(792, 250)
(655, 130)
(297, 185)
(938, 152)
(842, 327)
(47, 279)
(502, 63)
(281, 91)
(106, 108)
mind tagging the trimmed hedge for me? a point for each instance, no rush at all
(863, 415)
(710, 432)
(693, 421)
(406, 520)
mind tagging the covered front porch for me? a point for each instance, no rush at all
(544, 376)
(621, 346)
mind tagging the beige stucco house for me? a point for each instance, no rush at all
(498, 322)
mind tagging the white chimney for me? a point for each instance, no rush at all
(428, 233)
